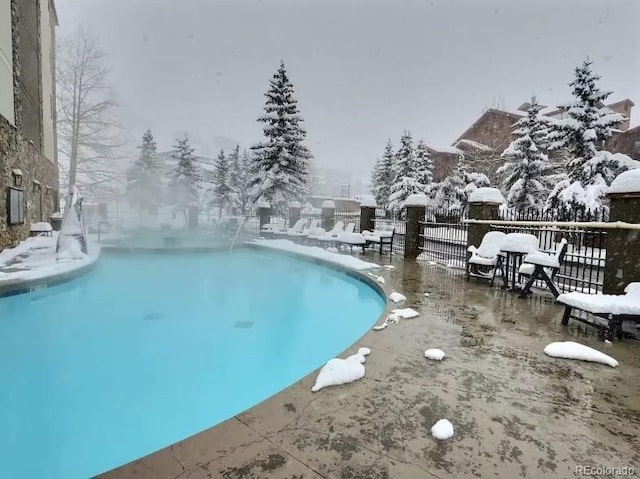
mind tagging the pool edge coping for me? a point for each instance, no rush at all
(22, 286)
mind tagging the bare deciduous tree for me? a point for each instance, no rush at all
(89, 139)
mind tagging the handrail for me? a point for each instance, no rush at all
(614, 225)
(99, 230)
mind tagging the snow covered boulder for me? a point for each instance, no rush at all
(571, 350)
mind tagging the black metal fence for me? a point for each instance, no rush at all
(387, 219)
(444, 236)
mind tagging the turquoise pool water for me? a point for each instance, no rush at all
(149, 349)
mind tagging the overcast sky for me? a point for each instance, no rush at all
(363, 71)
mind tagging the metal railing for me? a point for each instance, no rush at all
(444, 237)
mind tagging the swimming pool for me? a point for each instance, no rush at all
(149, 349)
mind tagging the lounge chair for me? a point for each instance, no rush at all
(615, 308)
(276, 224)
(330, 238)
(306, 229)
(485, 256)
(543, 266)
(351, 239)
(297, 227)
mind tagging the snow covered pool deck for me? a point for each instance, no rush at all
(35, 264)
(516, 411)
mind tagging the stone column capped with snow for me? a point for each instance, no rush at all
(622, 265)
(484, 204)
(368, 207)
(328, 214)
(416, 206)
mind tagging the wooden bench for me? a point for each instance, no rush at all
(614, 308)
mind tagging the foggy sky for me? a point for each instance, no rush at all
(363, 71)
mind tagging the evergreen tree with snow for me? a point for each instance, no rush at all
(424, 165)
(242, 191)
(450, 192)
(383, 176)
(405, 173)
(234, 171)
(280, 167)
(222, 191)
(527, 173)
(144, 184)
(185, 177)
(587, 125)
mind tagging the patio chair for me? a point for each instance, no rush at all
(543, 266)
(485, 256)
(513, 248)
(614, 308)
(350, 238)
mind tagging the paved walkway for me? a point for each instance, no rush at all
(516, 412)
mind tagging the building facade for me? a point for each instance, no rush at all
(28, 151)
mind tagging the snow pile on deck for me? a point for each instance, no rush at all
(571, 350)
(315, 252)
(397, 297)
(442, 430)
(406, 313)
(341, 371)
(36, 258)
(435, 354)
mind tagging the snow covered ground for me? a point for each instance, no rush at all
(36, 258)
(318, 253)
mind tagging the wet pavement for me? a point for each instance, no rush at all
(516, 412)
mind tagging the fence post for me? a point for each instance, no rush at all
(367, 214)
(484, 204)
(328, 214)
(264, 213)
(416, 206)
(621, 265)
(294, 212)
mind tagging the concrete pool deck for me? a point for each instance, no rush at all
(516, 412)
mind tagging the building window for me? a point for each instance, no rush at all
(15, 206)
(636, 146)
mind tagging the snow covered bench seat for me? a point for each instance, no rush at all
(485, 256)
(615, 308)
(41, 229)
(380, 236)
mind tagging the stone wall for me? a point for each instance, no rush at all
(40, 200)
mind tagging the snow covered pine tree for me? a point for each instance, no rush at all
(406, 173)
(144, 183)
(222, 191)
(185, 177)
(587, 125)
(279, 171)
(527, 171)
(383, 176)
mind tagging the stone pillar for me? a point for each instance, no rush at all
(367, 218)
(328, 214)
(416, 208)
(294, 213)
(264, 213)
(623, 245)
(193, 217)
(484, 204)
